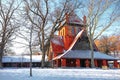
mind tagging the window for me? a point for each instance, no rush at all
(73, 31)
(63, 32)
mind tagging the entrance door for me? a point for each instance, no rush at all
(100, 63)
(59, 62)
(71, 62)
(82, 61)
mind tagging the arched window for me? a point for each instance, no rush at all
(63, 32)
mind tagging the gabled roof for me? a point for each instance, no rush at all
(57, 40)
(82, 54)
(85, 54)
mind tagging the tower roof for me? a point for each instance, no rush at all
(72, 19)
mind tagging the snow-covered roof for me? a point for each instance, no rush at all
(83, 54)
(35, 58)
(86, 54)
(57, 40)
(74, 19)
(115, 54)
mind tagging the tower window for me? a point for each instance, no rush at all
(63, 32)
(73, 31)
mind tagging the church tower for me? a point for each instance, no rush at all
(73, 25)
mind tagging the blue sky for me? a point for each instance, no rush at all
(83, 11)
(104, 19)
(114, 29)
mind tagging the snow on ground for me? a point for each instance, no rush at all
(59, 74)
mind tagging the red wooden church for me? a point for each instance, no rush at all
(71, 47)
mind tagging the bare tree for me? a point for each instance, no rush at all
(101, 14)
(49, 17)
(114, 44)
(8, 24)
(109, 44)
(8, 50)
(104, 44)
(27, 36)
(30, 47)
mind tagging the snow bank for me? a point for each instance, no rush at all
(60, 74)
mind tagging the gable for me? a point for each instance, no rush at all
(83, 43)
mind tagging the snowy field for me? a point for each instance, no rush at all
(59, 74)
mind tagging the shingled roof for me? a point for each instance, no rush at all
(72, 52)
(86, 54)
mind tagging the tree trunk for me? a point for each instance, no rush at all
(1, 55)
(30, 47)
(43, 48)
(1, 60)
(92, 58)
(92, 52)
(30, 62)
(43, 59)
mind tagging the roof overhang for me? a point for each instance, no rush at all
(85, 54)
